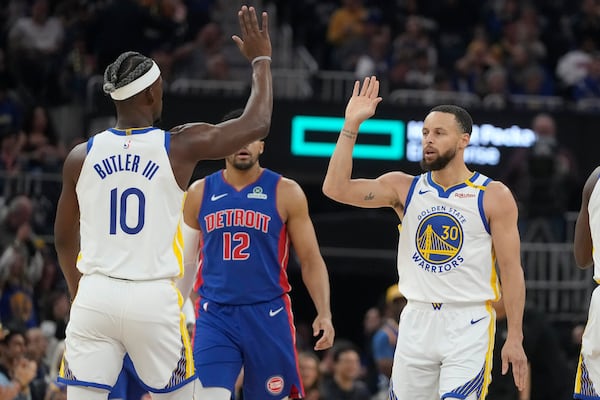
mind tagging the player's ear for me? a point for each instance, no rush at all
(261, 147)
(464, 140)
(151, 93)
(148, 95)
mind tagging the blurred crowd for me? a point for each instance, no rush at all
(494, 48)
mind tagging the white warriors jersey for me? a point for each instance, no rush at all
(594, 211)
(130, 206)
(445, 252)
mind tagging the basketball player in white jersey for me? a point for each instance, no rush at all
(587, 238)
(118, 233)
(455, 225)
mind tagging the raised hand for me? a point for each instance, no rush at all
(364, 100)
(255, 41)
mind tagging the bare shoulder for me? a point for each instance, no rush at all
(590, 183)
(398, 183)
(187, 136)
(78, 153)
(498, 189)
(290, 190)
(498, 198)
(197, 187)
(74, 161)
(396, 178)
(194, 195)
(193, 201)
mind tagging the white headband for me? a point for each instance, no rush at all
(137, 85)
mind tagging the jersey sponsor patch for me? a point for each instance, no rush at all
(257, 193)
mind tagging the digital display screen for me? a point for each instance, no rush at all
(315, 136)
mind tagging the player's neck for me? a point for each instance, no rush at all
(129, 124)
(451, 175)
(239, 178)
(133, 119)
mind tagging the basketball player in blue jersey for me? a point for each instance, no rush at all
(456, 224)
(246, 217)
(587, 237)
(118, 233)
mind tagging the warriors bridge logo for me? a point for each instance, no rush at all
(439, 240)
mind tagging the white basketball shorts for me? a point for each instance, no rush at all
(444, 351)
(111, 317)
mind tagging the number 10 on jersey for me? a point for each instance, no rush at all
(118, 210)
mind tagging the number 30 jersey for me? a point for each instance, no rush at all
(445, 252)
(130, 206)
(245, 245)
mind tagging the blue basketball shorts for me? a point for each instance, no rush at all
(260, 337)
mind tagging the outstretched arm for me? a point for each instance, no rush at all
(338, 185)
(582, 243)
(191, 237)
(314, 272)
(198, 141)
(501, 209)
(66, 226)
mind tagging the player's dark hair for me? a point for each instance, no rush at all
(128, 67)
(465, 122)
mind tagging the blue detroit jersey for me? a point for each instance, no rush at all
(245, 245)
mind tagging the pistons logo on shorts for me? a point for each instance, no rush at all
(275, 385)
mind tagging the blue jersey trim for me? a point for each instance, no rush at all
(480, 204)
(445, 193)
(170, 388)
(411, 190)
(90, 142)
(474, 385)
(453, 395)
(133, 131)
(84, 383)
(167, 141)
(585, 397)
(109, 388)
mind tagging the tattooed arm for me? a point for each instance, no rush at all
(388, 190)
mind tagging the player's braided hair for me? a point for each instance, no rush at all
(128, 67)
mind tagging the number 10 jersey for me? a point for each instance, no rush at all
(130, 206)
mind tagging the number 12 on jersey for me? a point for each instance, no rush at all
(235, 246)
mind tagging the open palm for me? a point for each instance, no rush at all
(364, 100)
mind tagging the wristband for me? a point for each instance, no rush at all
(260, 58)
